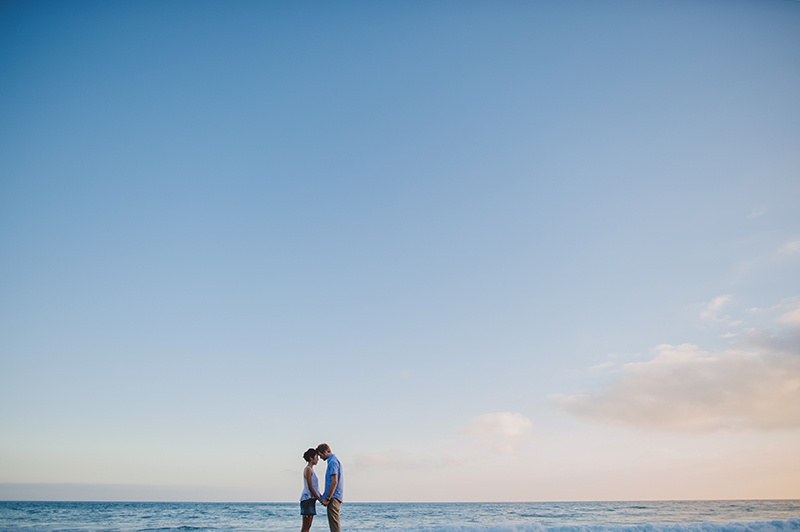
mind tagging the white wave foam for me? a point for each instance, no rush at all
(790, 525)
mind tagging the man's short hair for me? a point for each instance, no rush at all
(323, 448)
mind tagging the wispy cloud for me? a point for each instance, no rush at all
(781, 313)
(684, 388)
(502, 432)
(790, 247)
(496, 432)
(791, 318)
(404, 460)
(777, 257)
(759, 211)
(713, 309)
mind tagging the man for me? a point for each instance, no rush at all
(332, 496)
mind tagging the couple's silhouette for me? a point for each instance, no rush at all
(331, 498)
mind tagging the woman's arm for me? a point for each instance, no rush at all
(307, 474)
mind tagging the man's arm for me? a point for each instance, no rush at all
(329, 493)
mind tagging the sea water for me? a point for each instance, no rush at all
(664, 516)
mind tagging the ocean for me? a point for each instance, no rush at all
(662, 516)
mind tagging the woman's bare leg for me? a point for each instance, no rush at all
(307, 523)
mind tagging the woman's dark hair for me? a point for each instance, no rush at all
(309, 454)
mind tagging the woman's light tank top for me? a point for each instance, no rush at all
(314, 482)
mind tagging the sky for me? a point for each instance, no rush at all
(488, 251)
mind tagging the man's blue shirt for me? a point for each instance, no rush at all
(334, 468)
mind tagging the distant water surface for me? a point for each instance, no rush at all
(665, 516)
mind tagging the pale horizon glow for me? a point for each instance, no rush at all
(493, 251)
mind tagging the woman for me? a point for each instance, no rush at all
(310, 495)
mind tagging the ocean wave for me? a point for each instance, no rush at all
(789, 525)
(167, 528)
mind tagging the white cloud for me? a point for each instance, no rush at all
(712, 310)
(602, 365)
(790, 247)
(501, 431)
(684, 388)
(791, 318)
(760, 211)
(786, 311)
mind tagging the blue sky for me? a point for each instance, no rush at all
(487, 251)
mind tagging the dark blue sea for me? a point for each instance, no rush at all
(665, 516)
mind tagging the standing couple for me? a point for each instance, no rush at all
(331, 498)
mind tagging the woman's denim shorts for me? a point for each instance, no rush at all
(308, 507)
